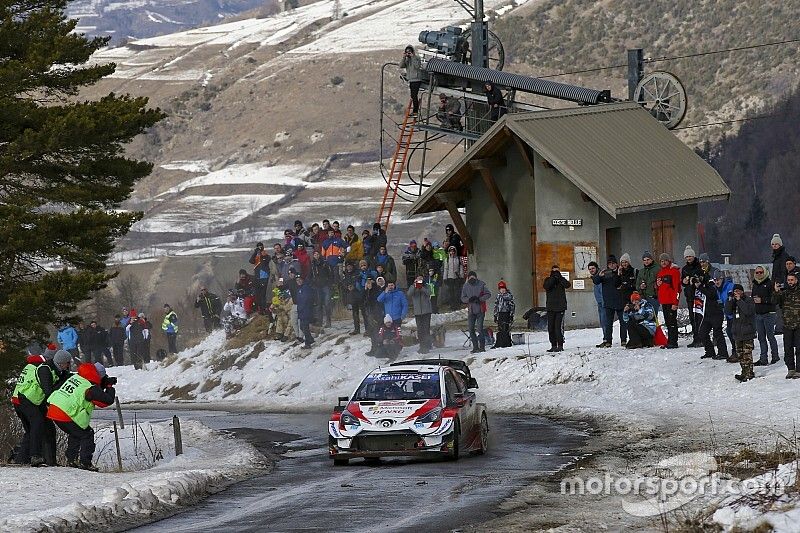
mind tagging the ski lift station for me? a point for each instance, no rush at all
(539, 186)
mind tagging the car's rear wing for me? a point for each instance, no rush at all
(455, 364)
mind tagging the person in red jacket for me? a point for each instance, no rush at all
(71, 409)
(668, 285)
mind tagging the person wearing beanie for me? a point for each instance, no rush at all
(37, 381)
(668, 289)
(742, 309)
(646, 281)
(50, 351)
(474, 294)
(504, 307)
(690, 270)
(763, 297)
(452, 280)
(639, 320)
(713, 315)
(412, 260)
(788, 299)
(791, 265)
(778, 274)
(388, 342)
(613, 304)
(776, 239)
(555, 288)
(169, 325)
(627, 277)
(451, 238)
(373, 243)
(71, 407)
(420, 296)
(709, 271)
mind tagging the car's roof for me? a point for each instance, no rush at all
(405, 368)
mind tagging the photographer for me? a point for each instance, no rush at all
(788, 299)
(612, 301)
(210, 307)
(556, 304)
(688, 272)
(743, 310)
(711, 323)
(639, 319)
(71, 407)
(414, 74)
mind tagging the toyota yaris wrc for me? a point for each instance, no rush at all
(422, 407)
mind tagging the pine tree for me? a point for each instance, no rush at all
(63, 173)
(756, 214)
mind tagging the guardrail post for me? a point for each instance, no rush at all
(176, 428)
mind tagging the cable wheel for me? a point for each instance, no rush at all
(664, 96)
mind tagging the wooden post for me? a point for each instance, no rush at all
(176, 428)
(116, 441)
(119, 414)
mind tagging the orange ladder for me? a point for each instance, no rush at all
(398, 166)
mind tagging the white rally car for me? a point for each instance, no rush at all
(421, 407)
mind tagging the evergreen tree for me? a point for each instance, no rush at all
(63, 173)
(756, 214)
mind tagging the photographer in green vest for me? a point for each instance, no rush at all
(71, 408)
(35, 384)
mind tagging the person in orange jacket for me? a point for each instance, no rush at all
(71, 407)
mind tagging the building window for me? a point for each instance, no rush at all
(661, 237)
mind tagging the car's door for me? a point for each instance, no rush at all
(466, 402)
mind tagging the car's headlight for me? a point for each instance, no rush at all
(431, 416)
(348, 419)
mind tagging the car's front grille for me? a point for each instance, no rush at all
(390, 443)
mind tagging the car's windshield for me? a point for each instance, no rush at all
(399, 386)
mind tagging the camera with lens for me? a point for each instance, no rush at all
(666, 279)
(111, 380)
(447, 41)
(696, 279)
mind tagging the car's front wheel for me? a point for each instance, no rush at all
(341, 462)
(455, 450)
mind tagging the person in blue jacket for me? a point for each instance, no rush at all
(68, 339)
(394, 303)
(304, 299)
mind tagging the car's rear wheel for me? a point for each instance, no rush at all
(455, 450)
(484, 435)
(372, 461)
(341, 462)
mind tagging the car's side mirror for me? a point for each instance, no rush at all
(338, 408)
(472, 383)
(343, 399)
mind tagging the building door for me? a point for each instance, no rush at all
(613, 243)
(534, 285)
(661, 237)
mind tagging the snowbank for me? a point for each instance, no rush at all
(154, 482)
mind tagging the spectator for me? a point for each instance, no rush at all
(147, 328)
(454, 239)
(136, 341)
(504, 307)
(332, 249)
(420, 298)
(354, 244)
(245, 289)
(612, 301)
(260, 259)
(627, 278)
(638, 318)
(82, 335)
(426, 258)
(743, 310)
(779, 257)
(380, 281)
(303, 260)
(366, 243)
(709, 272)
(210, 307)
(646, 281)
(92, 345)
(322, 280)
(281, 310)
(788, 299)
(305, 310)
(234, 315)
(791, 265)
(762, 293)
(388, 342)
(453, 279)
(116, 338)
(394, 303)
(689, 271)
(432, 282)
(125, 318)
(668, 285)
(317, 236)
(170, 328)
(301, 232)
(439, 255)
(497, 105)
(724, 290)
(412, 260)
(372, 307)
(68, 339)
(475, 294)
(378, 239)
(354, 298)
(387, 261)
(594, 270)
(449, 113)
(415, 76)
(555, 287)
(713, 313)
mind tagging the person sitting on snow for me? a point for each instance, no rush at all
(234, 316)
(388, 342)
(639, 319)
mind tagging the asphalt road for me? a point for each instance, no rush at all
(305, 492)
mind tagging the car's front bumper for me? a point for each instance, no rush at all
(385, 444)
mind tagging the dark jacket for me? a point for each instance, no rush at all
(779, 258)
(136, 330)
(627, 283)
(713, 306)
(244, 286)
(789, 301)
(743, 325)
(455, 240)
(764, 290)
(612, 297)
(373, 307)
(209, 305)
(554, 287)
(116, 335)
(475, 296)
(321, 273)
(304, 298)
(494, 97)
(690, 270)
(351, 287)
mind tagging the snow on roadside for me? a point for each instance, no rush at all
(69, 499)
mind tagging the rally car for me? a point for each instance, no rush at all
(421, 407)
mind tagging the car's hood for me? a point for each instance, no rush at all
(399, 411)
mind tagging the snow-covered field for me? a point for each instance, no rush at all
(66, 499)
